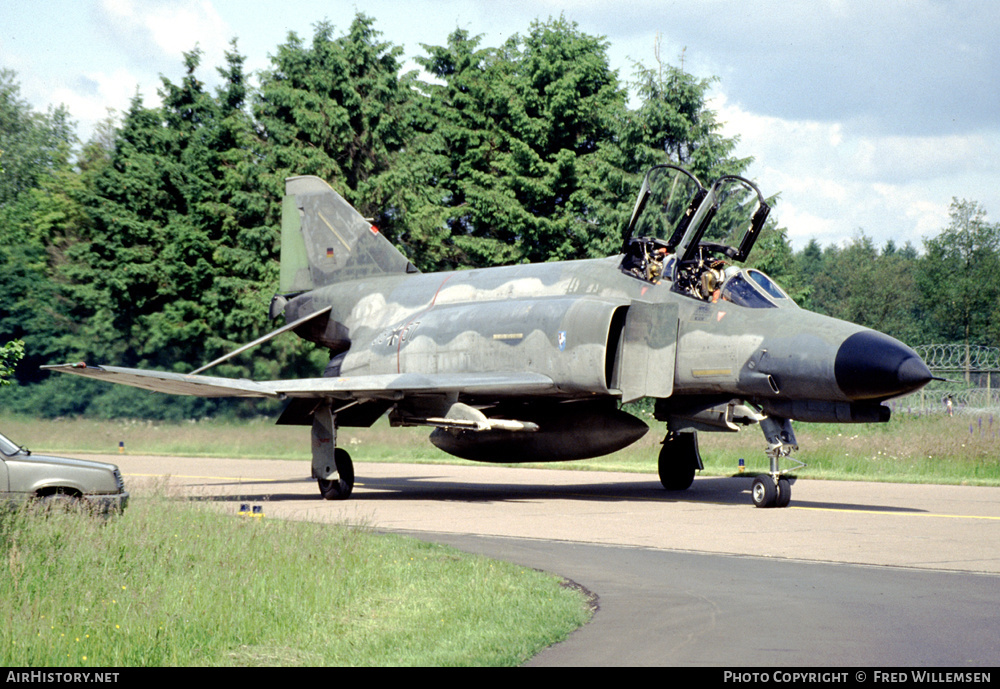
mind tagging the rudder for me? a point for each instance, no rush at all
(324, 240)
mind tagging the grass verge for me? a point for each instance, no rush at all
(910, 448)
(176, 584)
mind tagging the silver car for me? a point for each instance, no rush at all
(59, 481)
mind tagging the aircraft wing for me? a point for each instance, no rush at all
(381, 386)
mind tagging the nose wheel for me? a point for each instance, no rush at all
(768, 492)
(773, 489)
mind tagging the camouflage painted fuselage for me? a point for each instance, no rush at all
(597, 331)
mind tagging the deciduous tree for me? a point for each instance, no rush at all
(960, 277)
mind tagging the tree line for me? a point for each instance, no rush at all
(155, 243)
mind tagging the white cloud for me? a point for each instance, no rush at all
(103, 90)
(926, 217)
(153, 35)
(834, 181)
(172, 27)
(803, 226)
(927, 157)
(178, 28)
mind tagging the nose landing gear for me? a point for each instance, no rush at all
(774, 489)
(768, 491)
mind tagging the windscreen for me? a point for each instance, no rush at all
(769, 286)
(755, 290)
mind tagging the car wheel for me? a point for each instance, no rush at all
(60, 503)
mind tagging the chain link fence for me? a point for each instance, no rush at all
(972, 385)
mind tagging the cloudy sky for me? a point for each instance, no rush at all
(865, 116)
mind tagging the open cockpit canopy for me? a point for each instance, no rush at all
(667, 202)
(686, 233)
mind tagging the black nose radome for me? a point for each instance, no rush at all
(871, 365)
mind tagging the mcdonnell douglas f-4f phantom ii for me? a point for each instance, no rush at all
(531, 363)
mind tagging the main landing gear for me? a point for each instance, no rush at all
(339, 487)
(773, 489)
(679, 459)
(331, 465)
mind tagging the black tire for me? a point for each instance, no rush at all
(339, 488)
(678, 461)
(763, 491)
(784, 493)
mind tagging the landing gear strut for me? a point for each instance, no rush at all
(773, 489)
(331, 465)
(679, 459)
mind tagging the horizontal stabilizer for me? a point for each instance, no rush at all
(170, 383)
(384, 386)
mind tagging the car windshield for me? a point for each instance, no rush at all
(7, 446)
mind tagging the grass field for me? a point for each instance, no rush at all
(910, 448)
(171, 583)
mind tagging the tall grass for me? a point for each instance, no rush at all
(175, 584)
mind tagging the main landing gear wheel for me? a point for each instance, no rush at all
(339, 487)
(678, 461)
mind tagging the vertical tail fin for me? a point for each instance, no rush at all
(325, 241)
